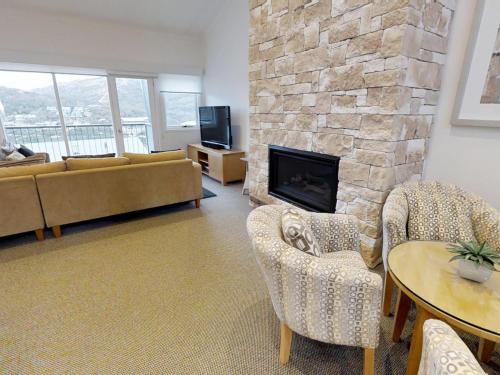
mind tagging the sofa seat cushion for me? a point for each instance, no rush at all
(346, 257)
(93, 163)
(157, 157)
(297, 232)
(438, 213)
(33, 170)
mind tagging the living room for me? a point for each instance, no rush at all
(250, 187)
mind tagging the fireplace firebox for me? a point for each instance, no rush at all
(306, 179)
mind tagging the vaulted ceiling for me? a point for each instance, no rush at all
(187, 16)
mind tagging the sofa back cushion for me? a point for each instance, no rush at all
(153, 158)
(33, 170)
(438, 212)
(297, 232)
(93, 163)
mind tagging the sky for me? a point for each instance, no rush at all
(29, 81)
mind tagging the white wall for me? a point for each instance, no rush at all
(467, 156)
(226, 66)
(35, 37)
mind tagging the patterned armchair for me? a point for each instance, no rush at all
(433, 211)
(444, 353)
(332, 298)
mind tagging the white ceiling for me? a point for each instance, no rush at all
(187, 16)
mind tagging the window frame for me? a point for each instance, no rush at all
(165, 110)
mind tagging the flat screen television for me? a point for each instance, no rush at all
(215, 127)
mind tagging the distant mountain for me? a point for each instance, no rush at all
(89, 95)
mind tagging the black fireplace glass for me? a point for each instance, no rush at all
(306, 179)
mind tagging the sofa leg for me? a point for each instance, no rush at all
(40, 235)
(388, 288)
(56, 231)
(286, 343)
(369, 362)
(197, 203)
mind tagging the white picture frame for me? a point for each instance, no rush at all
(468, 110)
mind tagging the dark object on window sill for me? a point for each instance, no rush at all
(25, 151)
(110, 155)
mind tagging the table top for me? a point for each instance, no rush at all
(422, 269)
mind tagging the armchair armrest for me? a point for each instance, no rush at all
(334, 232)
(394, 220)
(441, 348)
(486, 224)
(328, 302)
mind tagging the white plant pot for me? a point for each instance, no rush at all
(471, 271)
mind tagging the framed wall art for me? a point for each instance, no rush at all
(478, 99)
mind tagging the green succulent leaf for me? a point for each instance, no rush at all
(481, 254)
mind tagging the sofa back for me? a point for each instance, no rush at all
(19, 206)
(74, 196)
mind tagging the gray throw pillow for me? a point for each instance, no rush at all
(297, 232)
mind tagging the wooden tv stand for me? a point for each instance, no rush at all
(222, 165)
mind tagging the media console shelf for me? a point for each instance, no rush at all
(222, 165)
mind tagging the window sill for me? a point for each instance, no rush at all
(183, 129)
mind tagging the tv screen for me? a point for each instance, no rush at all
(215, 127)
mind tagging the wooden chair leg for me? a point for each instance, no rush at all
(56, 231)
(286, 343)
(416, 341)
(402, 308)
(388, 288)
(369, 362)
(197, 203)
(485, 350)
(40, 235)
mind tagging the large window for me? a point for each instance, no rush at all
(28, 112)
(71, 114)
(181, 109)
(87, 113)
(135, 114)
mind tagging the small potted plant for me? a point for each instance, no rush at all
(476, 262)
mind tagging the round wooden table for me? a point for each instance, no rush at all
(422, 271)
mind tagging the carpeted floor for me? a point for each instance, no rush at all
(174, 290)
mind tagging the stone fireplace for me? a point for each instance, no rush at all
(356, 79)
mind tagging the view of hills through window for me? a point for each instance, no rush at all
(30, 114)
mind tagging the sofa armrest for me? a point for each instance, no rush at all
(19, 205)
(394, 221)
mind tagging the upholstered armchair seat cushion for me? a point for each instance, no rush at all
(444, 353)
(347, 258)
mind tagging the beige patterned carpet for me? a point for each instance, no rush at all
(170, 291)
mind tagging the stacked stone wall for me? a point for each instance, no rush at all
(358, 79)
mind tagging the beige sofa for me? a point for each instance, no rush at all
(84, 189)
(74, 196)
